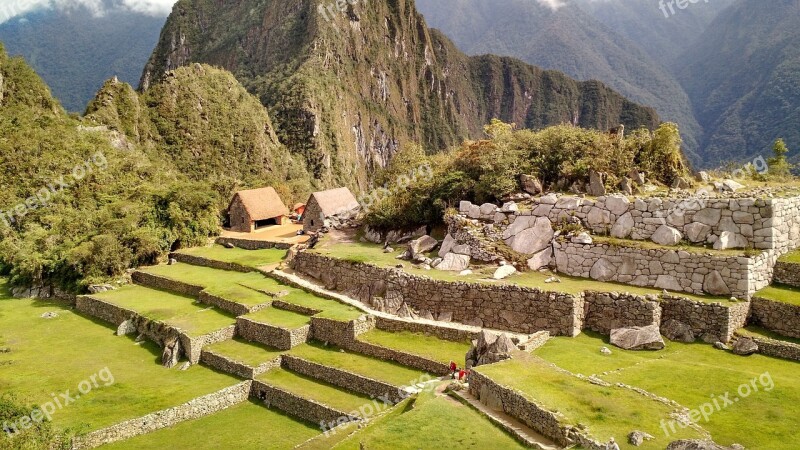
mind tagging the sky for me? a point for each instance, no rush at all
(10, 9)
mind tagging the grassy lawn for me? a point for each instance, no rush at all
(780, 293)
(251, 354)
(280, 318)
(419, 344)
(756, 331)
(691, 374)
(605, 411)
(437, 422)
(55, 355)
(248, 426)
(374, 368)
(250, 258)
(792, 258)
(177, 310)
(244, 288)
(360, 252)
(318, 391)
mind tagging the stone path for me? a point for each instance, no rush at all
(293, 278)
(521, 431)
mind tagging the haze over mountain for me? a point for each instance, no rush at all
(347, 89)
(77, 46)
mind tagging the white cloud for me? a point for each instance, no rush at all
(15, 8)
(553, 4)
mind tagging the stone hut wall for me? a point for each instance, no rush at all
(502, 307)
(782, 318)
(193, 409)
(604, 312)
(313, 217)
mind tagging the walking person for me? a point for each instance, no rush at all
(453, 369)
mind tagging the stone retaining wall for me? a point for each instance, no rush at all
(442, 332)
(193, 345)
(778, 349)
(194, 409)
(295, 308)
(166, 284)
(717, 321)
(231, 366)
(604, 312)
(536, 341)
(344, 379)
(297, 406)
(237, 309)
(248, 244)
(107, 312)
(270, 335)
(787, 273)
(782, 318)
(665, 268)
(338, 333)
(212, 263)
(501, 307)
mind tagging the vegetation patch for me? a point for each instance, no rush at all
(249, 258)
(780, 293)
(251, 354)
(419, 344)
(279, 318)
(312, 389)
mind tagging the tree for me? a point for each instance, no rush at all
(779, 166)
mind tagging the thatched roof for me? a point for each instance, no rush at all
(261, 204)
(335, 201)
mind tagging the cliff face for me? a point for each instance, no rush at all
(346, 89)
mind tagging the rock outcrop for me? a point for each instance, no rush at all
(638, 338)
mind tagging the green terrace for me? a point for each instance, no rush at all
(374, 368)
(50, 356)
(249, 353)
(249, 425)
(175, 310)
(780, 293)
(359, 252)
(312, 389)
(437, 422)
(600, 411)
(419, 344)
(279, 318)
(759, 332)
(249, 258)
(252, 289)
(791, 258)
(690, 374)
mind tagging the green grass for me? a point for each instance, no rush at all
(55, 355)
(605, 411)
(780, 293)
(756, 331)
(251, 354)
(419, 344)
(791, 258)
(309, 388)
(249, 258)
(248, 426)
(245, 288)
(373, 254)
(438, 422)
(690, 374)
(279, 318)
(374, 368)
(176, 310)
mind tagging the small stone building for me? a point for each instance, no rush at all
(339, 204)
(256, 208)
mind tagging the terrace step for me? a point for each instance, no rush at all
(241, 358)
(274, 327)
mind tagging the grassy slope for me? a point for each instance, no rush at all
(279, 318)
(779, 293)
(250, 258)
(53, 355)
(419, 344)
(792, 258)
(249, 353)
(690, 375)
(373, 254)
(315, 390)
(177, 310)
(248, 425)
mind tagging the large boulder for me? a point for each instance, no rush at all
(533, 239)
(603, 270)
(490, 348)
(504, 272)
(422, 245)
(618, 204)
(125, 328)
(454, 262)
(596, 186)
(695, 444)
(730, 240)
(638, 338)
(745, 347)
(172, 352)
(623, 227)
(447, 245)
(542, 259)
(531, 184)
(667, 236)
(697, 232)
(715, 285)
(677, 331)
(708, 216)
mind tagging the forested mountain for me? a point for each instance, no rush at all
(347, 89)
(75, 51)
(743, 75)
(570, 40)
